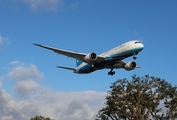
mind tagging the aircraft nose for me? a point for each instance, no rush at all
(141, 46)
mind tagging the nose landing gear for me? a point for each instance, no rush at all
(111, 72)
(134, 56)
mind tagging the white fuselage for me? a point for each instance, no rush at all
(118, 53)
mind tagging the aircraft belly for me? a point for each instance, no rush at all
(85, 69)
(114, 63)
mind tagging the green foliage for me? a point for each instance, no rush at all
(41, 118)
(139, 99)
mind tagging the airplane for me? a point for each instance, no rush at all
(112, 59)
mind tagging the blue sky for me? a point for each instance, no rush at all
(82, 26)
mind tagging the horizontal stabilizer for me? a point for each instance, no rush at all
(138, 66)
(66, 68)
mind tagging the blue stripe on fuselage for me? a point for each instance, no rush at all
(125, 54)
(85, 69)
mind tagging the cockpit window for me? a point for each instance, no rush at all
(137, 42)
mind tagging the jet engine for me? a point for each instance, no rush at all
(90, 58)
(130, 66)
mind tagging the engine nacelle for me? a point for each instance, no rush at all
(90, 58)
(130, 66)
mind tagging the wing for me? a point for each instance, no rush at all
(76, 55)
(121, 64)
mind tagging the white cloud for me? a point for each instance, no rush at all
(14, 62)
(3, 40)
(44, 5)
(71, 105)
(40, 100)
(26, 88)
(25, 78)
(24, 73)
(56, 105)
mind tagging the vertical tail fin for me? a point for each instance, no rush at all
(78, 62)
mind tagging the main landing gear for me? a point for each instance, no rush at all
(111, 72)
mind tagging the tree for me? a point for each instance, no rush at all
(40, 118)
(140, 99)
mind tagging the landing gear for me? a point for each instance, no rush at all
(111, 72)
(134, 56)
